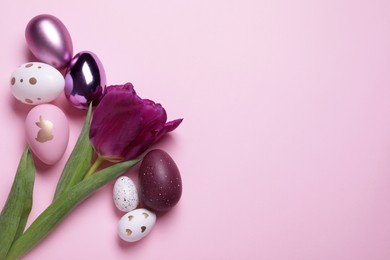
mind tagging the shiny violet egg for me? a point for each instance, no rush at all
(49, 40)
(85, 80)
(160, 181)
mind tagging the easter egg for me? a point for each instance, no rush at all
(49, 40)
(136, 224)
(85, 80)
(36, 83)
(125, 194)
(47, 132)
(159, 181)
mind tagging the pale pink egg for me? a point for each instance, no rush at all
(47, 132)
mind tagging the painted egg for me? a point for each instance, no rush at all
(36, 83)
(85, 80)
(159, 181)
(49, 40)
(47, 132)
(125, 194)
(136, 224)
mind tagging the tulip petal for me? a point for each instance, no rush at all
(153, 119)
(128, 87)
(115, 123)
(172, 125)
(168, 127)
(124, 125)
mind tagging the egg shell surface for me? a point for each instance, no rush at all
(36, 83)
(125, 194)
(136, 224)
(47, 132)
(159, 181)
(49, 40)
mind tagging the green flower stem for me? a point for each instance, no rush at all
(94, 167)
(79, 161)
(63, 205)
(14, 215)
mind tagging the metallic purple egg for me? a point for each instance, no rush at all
(49, 40)
(85, 80)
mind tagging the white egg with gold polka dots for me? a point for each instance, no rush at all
(35, 83)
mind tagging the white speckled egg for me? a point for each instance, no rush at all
(136, 224)
(125, 194)
(36, 83)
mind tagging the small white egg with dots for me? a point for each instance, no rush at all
(125, 194)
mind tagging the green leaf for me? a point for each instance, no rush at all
(18, 206)
(64, 203)
(79, 161)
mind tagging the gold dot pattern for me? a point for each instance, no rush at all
(33, 81)
(130, 217)
(143, 228)
(13, 81)
(29, 65)
(21, 80)
(28, 101)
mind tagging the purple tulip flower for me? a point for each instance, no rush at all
(123, 125)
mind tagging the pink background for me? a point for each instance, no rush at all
(285, 147)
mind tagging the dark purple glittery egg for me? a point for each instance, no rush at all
(159, 181)
(85, 80)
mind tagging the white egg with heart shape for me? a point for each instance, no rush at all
(136, 224)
